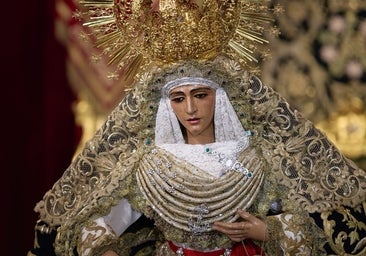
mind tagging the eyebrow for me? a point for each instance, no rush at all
(204, 88)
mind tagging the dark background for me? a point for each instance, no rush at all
(38, 132)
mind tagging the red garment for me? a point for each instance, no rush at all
(238, 249)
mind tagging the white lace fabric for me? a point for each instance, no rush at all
(198, 155)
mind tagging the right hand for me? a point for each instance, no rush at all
(109, 253)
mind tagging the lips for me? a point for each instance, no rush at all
(193, 120)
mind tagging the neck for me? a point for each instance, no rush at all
(200, 139)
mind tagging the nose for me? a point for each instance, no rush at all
(191, 106)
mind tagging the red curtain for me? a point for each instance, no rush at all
(39, 136)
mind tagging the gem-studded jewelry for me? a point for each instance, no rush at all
(231, 162)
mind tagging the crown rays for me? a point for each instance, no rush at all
(123, 47)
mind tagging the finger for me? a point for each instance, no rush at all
(235, 233)
(243, 226)
(229, 231)
(240, 229)
(245, 215)
(225, 225)
(221, 228)
(236, 238)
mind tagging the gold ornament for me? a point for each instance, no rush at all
(133, 34)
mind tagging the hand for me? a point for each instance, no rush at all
(109, 253)
(249, 227)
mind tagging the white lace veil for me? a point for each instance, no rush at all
(227, 124)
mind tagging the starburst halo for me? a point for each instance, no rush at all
(135, 34)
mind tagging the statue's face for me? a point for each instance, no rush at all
(194, 106)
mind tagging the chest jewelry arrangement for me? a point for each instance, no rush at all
(190, 198)
(230, 162)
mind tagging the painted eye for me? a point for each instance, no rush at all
(177, 99)
(200, 95)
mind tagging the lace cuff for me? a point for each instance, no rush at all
(96, 238)
(292, 234)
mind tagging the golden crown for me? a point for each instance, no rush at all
(133, 34)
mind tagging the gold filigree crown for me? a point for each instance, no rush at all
(134, 34)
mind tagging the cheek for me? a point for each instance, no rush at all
(210, 109)
(177, 111)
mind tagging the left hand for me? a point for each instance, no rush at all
(249, 227)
